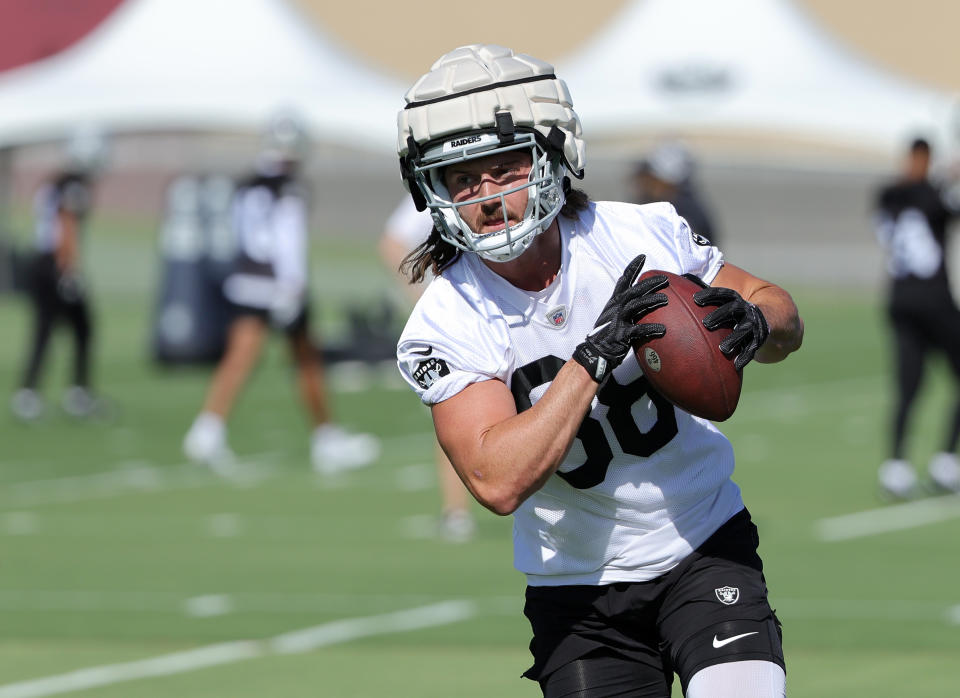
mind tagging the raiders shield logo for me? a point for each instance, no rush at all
(727, 595)
(429, 372)
(699, 239)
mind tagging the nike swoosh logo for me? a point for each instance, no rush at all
(717, 643)
(422, 352)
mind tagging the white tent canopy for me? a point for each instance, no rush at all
(195, 64)
(743, 66)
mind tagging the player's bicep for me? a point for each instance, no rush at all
(462, 421)
(740, 280)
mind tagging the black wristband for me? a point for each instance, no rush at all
(587, 356)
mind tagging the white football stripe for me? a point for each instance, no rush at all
(228, 652)
(139, 477)
(127, 478)
(898, 517)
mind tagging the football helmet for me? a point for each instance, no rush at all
(285, 140)
(670, 162)
(86, 148)
(479, 100)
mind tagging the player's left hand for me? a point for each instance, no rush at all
(750, 328)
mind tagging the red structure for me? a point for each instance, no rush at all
(30, 31)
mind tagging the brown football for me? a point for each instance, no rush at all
(686, 365)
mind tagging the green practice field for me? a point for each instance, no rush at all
(126, 572)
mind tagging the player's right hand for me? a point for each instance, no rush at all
(71, 287)
(285, 306)
(616, 328)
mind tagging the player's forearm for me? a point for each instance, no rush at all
(783, 318)
(65, 254)
(516, 456)
(393, 252)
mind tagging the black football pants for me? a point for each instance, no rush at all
(55, 298)
(917, 332)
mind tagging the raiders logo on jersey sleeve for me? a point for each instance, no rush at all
(699, 239)
(430, 371)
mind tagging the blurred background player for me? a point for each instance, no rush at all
(268, 288)
(55, 278)
(667, 173)
(406, 230)
(912, 218)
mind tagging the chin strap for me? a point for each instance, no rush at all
(406, 172)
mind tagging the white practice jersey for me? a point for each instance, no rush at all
(67, 193)
(644, 482)
(272, 238)
(407, 225)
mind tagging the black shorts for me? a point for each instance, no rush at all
(710, 609)
(296, 327)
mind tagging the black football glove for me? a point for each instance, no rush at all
(750, 328)
(616, 330)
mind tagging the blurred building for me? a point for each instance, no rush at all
(32, 31)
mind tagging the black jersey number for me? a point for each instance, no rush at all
(619, 398)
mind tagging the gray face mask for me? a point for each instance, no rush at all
(543, 187)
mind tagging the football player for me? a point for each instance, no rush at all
(641, 560)
(667, 173)
(405, 230)
(268, 288)
(56, 281)
(912, 218)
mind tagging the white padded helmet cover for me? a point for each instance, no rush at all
(538, 104)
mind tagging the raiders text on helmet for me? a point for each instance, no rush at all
(483, 99)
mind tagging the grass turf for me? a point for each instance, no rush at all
(114, 550)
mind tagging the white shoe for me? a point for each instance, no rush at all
(457, 526)
(206, 442)
(80, 403)
(334, 450)
(26, 404)
(944, 471)
(898, 479)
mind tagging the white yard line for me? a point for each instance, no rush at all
(897, 517)
(297, 641)
(129, 478)
(138, 476)
(119, 601)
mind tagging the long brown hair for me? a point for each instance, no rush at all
(436, 254)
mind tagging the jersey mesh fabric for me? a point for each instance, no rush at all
(644, 483)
